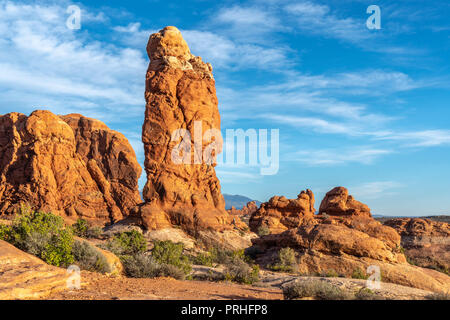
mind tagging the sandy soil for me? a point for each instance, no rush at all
(105, 288)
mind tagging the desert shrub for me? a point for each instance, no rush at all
(141, 265)
(5, 232)
(87, 257)
(82, 229)
(438, 296)
(204, 259)
(263, 231)
(42, 234)
(359, 274)
(367, 294)
(127, 243)
(287, 261)
(316, 289)
(168, 252)
(330, 274)
(241, 272)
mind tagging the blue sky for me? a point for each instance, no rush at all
(365, 109)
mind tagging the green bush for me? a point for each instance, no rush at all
(330, 274)
(127, 243)
(263, 231)
(82, 229)
(42, 234)
(367, 294)
(359, 274)
(168, 252)
(204, 259)
(287, 261)
(239, 271)
(87, 257)
(141, 265)
(315, 289)
(5, 232)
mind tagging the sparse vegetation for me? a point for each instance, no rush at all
(315, 289)
(439, 296)
(169, 253)
(142, 265)
(263, 231)
(82, 229)
(241, 272)
(330, 274)
(359, 274)
(367, 294)
(127, 243)
(88, 257)
(287, 261)
(41, 234)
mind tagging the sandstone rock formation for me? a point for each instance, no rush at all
(247, 210)
(24, 276)
(182, 187)
(345, 240)
(280, 214)
(110, 159)
(40, 166)
(338, 202)
(426, 242)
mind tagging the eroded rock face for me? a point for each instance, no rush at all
(426, 242)
(40, 166)
(180, 94)
(338, 202)
(247, 210)
(344, 240)
(280, 214)
(110, 159)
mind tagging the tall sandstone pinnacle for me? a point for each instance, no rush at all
(71, 165)
(180, 94)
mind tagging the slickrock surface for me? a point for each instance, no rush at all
(180, 94)
(340, 243)
(426, 242)
(280, 214)
(338, 202)
(40, 165)
(23, 276)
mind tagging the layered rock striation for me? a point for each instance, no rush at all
(181, 136)
(45, 163)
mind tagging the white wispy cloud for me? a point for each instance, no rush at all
(422, 138)
(42, 56)
(338, 156)
(376, 189)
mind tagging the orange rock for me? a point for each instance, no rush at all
(40, 166)
(280, 214)
(247, 210)
(111, 161)
(180, 94)
(338, 202)
(426, 242)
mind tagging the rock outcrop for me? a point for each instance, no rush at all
(40, 166)
(338, 202)
(280, 214)
(345, 240)
(426, 242)
(110, 159)
(247, 210)
(24, 276)
(181, 136)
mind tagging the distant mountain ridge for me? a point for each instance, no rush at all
(237, 201)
